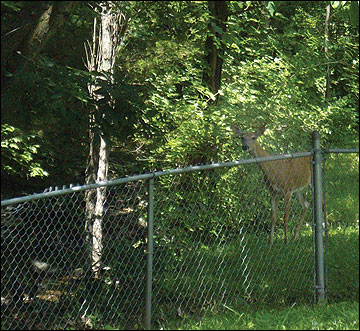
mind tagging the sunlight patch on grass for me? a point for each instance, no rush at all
(339, 316)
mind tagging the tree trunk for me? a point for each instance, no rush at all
(37, 22)
(213, 52)
(100, 58)
(97, 245)
(327, 87)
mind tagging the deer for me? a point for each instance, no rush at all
(282, 177)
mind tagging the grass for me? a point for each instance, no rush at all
(246, 270)
(337, 316)
(342, 189)
(272, 307)
(281, 289)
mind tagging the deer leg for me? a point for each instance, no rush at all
(286, 214)
(274, 203)
(305, 206)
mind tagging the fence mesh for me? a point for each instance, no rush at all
(212, 245)
(342, 208)
(211, 250)
(46, 275)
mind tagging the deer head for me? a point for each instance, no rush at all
(249, 142)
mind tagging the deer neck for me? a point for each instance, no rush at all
(267, 168)
(258, 151)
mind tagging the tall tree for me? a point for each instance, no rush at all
(214, 45)
(327, 17)
(101, 55)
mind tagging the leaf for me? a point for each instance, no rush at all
(11, 4)
(216, 28)
(335, 4)
(15, 146)
(270, 6)
(37, 171)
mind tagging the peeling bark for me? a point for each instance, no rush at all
(100, 58)
(327, 87)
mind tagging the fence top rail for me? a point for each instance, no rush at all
(232, 163)
(154, 174)
(341, 150)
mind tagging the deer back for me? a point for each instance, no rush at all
(288, 175)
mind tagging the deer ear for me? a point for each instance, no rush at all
(260, 131)
(236, 130)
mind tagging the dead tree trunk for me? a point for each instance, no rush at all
(327, 87)
(100, 54)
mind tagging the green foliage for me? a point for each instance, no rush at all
(273, 74)
(18, 151)
(347, 10)
(53, 97)
(13, 5)
(343, 264)
(271, 88)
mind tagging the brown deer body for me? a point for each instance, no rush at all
(282, 177)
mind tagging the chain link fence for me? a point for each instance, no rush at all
(46, 274)
(341, 183)
(212, 245)
(211, 251)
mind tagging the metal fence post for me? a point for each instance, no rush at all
(319, 247)
(149, 253)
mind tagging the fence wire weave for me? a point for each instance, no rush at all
(342, 239)
(211, 250)
(46, 266)
(212, 244)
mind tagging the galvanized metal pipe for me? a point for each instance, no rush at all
(341, 150)
(149, 253)
(319, 246)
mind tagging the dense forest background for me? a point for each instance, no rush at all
(185, 71)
